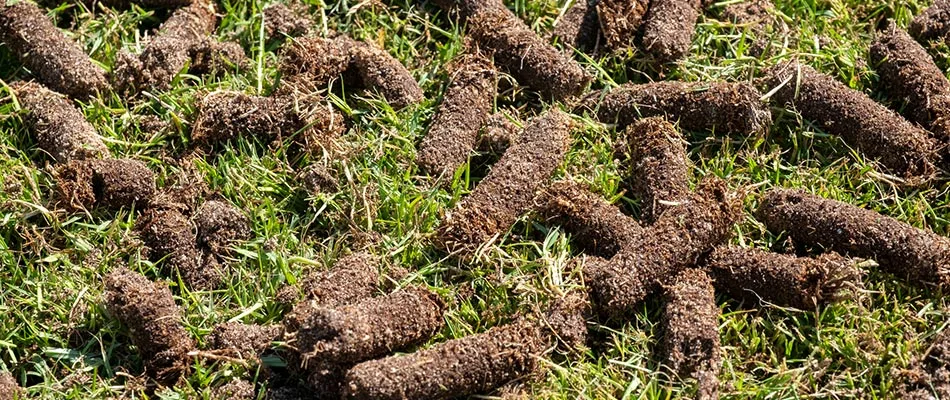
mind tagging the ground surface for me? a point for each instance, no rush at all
(56, 337)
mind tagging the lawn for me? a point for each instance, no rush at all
(58, 340)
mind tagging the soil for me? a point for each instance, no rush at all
(121, 4)
(753, 12)
(497, 134)
(675, 242)
(755, 276)
(287, 20)
(668, 28)
(466, 106)
(474, 364)
(154, 322)
(579, 28)
(933, 24)
(566, 321)
(690, 326)
(899, 145)
(9, 390)
(110, 183)
(659, 167)
(211, 57)
(220, 225)
(722, 107)
(60, 128)
(236, 389)
(370, 328)
(55, 60)
(464, 9)
(909, 75)
(166, 231)
(310, 63)
(595, 225)
(510, 188)
(316, 178)
(919, 257)
(378, 71)
(522, 53)
(243, 340)
(353, 278)
(620, 21)
(169, 51)
(929, 374)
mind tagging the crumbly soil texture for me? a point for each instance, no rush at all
(929, 374)
(9, 389)
(353, 278)
(690, 329)
(60, 129)
(668, 28)
(933, 24)
(918, 256)
(620, 21)
(109, 183)
(756, 276)
(723, 107)
(287, 20)
(220, 225)
(53, 58)
(497, 134)
(902, 147)
(310, 63)
(148, 310)
(655, 155)
(242, 340)
(473, 364)
(566, 321)
(236, 389)
(579, 27)
(381, 72)
(510, 188)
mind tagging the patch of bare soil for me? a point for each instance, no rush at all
(579, 28)
(668, 28)
(658, 166)
(353, 278)
(620, 21)
(497, 134)
(243, 340)
(109, 183)
(60, 128)
(466, 106)
(690, 326)
(220, 225)
(929, 374)
(804, 283)
(527, 57)
(54, 59)
(148, 310)
(933, 24)
(381, 72)
(723, 107)
(919, 257)
(909, 74)
(675, 242)
(473, 364)
(287, 20)
(9, 390)
(236, 389)
(595, 225)
(509, 189)
(880, 133)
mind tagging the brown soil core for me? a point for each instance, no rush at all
(110, 183)
(287, 20)
(353, 278)
(9, 390)
(659, 167)
(620, 21)
(497, 134)
(579, 28)
(929, 374)
(242, 340)
(690, 328)
(61, 130)
(309, 63)
(169, 51)
(668, 28)
(381, 72)
(932, 24)
(220, 225)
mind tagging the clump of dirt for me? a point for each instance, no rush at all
(236, 389)
(213, 57)
(917, 256)
(690, 328)
(370, 328)
(110, 183)
(566, 321)
(122, 4)
(675, 242)
(509, 189)
(659, 167)
(220, 225)
(620, 20)
(60, 129)
(53, 58)
(933, 24)
(242, 340)
(596, 226)
(473, 364)
(171, 235)
(287, 20)
(309, 63)
(378, 70)
(579, 28)
(9, 390)
(749, 12)
(154, 321)
(929, 374)
(784, 280)
(497, 134)
(668, 28)
(724, 107)
(353, 278)
(465, 108)
(880, 133)
(317, 178)
(527, 57)
(168, 52)
(909, 74)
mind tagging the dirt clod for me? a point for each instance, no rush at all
(309, 63)
(287, 20)
(474, 364)
(169, 51)
(9, 390)
(723, 107)
(929, 374)
(110, 183)
(211, 57)
(527, 57)
(317, 178)
(668, 28)
(578, 27)
(880, 133)
(804, 283)
(749, 12)
(148, 310)
(509, 189)
(659, 167)
(919, 257)
(220, 225)
(465, 108)
(566, 321)
(933, 24)
(60, 129)
(620, 21)
(690, 328)
(353, 278)
(379, 71)
(242, 340)
(236, 389)
(53, 58)
(497, 134)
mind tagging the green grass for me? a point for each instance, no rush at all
(57, 339)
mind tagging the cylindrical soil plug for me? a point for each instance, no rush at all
(691, 331)
(659, 167)
(59, 127)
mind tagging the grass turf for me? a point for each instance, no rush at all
(58, 341)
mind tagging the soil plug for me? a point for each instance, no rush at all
(933, 24)
(220, 225)
(59, 127)
(353, 278)
(168, 52)
(110, 183)
(497, 134)
(880, 133)
(929, 374)
(309, 63)
(804, 283)
(620, 20)
(378, 70)
(54, 59)
(9, 389)
(148, 310)
(243, 340)
(287, 20)
(579, 28)
(659, 167)
(917, 256)
(690, 328)
(668, 28)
